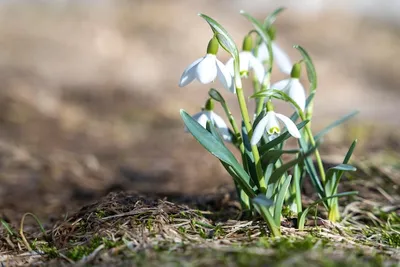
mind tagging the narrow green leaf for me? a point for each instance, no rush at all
(263, 201)
(337, 176)
(258, 118)
(218, 149)
(280, 199)
(244, 185)
(311, 73)
(302, 219)
(335, 124)
(284, 136)
(7, 227)
(285, 167)
(350, 152)
(310, 168)
(214, 94)
(248, 155)
(342, 167)
(261, 32)
(270, 92)
(207, 140)
(261, 204)
(270, 19)
(211, 128)
(224, 38)
(271, 156)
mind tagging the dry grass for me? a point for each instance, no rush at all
(137, 228)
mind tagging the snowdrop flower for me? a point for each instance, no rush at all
(270, 125)
(207, 68)
(207, 114)
(247, 61)
(292, 87)
(280, 57)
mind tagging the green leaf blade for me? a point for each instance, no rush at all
(224, 38)
(311, 73)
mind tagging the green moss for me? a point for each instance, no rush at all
(78, 252)
(45, 248)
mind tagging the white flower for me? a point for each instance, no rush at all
(247, 61)
(270, 125)
(205, 70)
(280, 57)
(209, 115)
(294, 89)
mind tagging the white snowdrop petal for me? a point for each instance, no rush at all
(290, 126)
(272, 123)
(202, 120)
(282, 85)
(244, 58)
(281, 59)
(219, 122)
(257, 67)
(262, 53)
(224, 76)
(297, 93)
(206, 70)
(259, 130)
(189, 74)
(229, 66)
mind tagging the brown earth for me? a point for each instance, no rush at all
(89, 99)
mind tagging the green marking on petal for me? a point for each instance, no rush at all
(274, 130)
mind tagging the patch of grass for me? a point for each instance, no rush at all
(45, 248)
(79, 251)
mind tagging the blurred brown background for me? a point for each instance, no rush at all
(89, 98)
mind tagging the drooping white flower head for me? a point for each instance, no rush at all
(280, 57)
(270, 125)
(207, 114)
(247, 62)
(207, 68)
(292, 87)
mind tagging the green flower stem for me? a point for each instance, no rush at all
(265, 85)
(297, 188)
(309, 133)
(256, 89)
(234, 125)
(333, 213)
(266, 214)
(245, 201)
(312, 141)
(246, 119)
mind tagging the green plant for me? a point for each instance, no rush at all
(264, 181)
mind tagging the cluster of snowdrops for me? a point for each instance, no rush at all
(265, 184)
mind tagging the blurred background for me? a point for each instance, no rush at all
(89, 96)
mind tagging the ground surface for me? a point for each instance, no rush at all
(86, 118)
